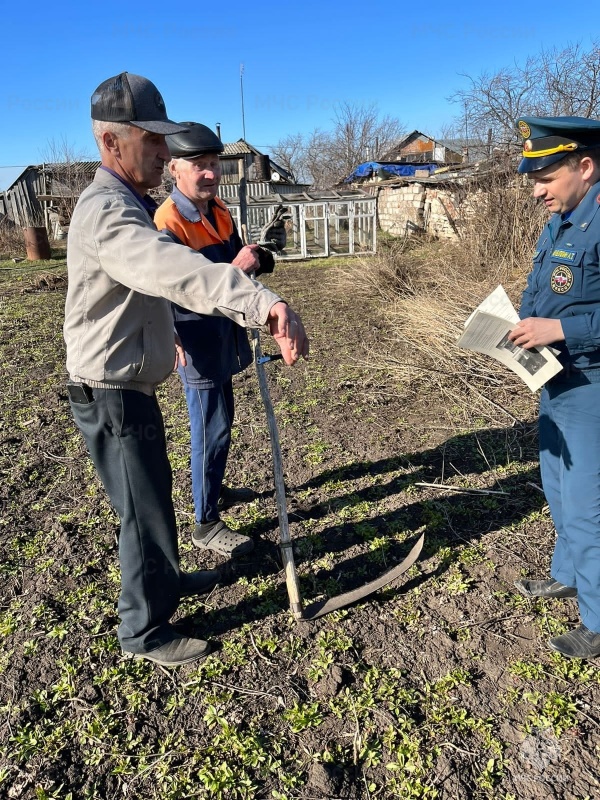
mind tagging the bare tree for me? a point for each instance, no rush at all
(321, 160)
(361, 135)
(67, 173)
(572, 81)
(290, 152)
(326, 157)
(497, 101)
(553, 83)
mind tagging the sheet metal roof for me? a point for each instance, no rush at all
(81, 167)
(238, 148)
(8, 176)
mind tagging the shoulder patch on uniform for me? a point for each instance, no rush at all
(561, 279)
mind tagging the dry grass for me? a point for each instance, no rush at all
(12, 241)
(422, 354)
(427, 290)
(501, 226)
(46, 281)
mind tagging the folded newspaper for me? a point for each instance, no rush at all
(486, 331)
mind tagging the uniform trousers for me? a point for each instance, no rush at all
(124, 433)
(569, 435)
(211, 416)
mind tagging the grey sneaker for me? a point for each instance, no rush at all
(232, 497)
(218, 537)
(181, 650)
(550, 588)
(201, 581)
(578, 643)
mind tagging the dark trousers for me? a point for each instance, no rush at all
(124, 433)
(211, 416)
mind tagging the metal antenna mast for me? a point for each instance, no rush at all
(242, 96)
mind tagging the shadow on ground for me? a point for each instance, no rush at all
(449, 519)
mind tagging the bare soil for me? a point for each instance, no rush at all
(440, 686)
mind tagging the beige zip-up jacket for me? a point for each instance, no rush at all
(123, 276)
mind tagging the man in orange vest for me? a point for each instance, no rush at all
(214, 348)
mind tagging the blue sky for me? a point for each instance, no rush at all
(300, 59)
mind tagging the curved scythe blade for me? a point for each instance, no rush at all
(322, 607)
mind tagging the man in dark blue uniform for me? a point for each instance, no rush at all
(561, 307)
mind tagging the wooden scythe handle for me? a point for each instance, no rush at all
(285, 543)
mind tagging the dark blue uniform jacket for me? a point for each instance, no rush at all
(565, 281)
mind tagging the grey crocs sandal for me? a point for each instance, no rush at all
(218, 537)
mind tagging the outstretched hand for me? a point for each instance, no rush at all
(288, 331)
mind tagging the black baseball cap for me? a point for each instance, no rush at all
(133, 99)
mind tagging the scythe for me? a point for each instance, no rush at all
(320, 607)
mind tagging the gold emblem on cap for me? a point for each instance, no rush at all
(524, 129)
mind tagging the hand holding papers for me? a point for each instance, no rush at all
(486, 331)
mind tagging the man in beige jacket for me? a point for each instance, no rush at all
(121, 345)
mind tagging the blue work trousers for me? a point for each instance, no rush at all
(569, 429)
(124, 433)
(211, 416)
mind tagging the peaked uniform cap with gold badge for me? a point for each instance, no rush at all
(548, 139)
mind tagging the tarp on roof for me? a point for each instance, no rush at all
(387, 170)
